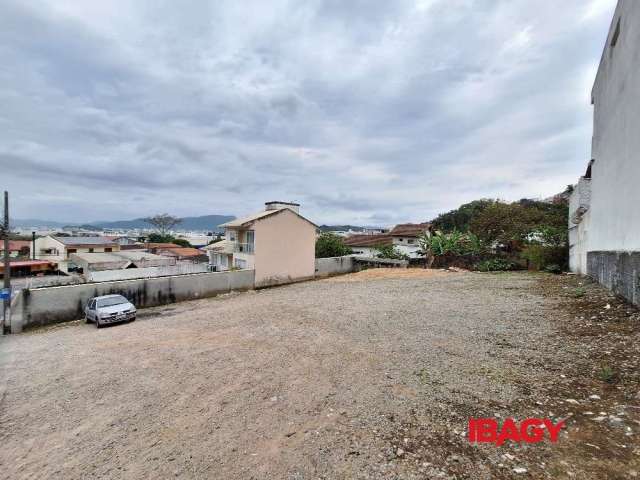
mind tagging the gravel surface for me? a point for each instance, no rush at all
(360, 376)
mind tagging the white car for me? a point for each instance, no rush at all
(109, 309)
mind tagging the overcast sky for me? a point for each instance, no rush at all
(364, 112)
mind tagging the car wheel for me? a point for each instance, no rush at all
(133, 319)
(86, 319)
(98, 324)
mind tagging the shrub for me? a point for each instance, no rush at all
(579, 292)
(331, 245)
(389, 251)
(553, 268)
(540, 257)
(495, 265)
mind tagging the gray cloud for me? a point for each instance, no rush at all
(365, 112)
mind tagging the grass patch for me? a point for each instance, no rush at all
(579, 292)
(607, 374)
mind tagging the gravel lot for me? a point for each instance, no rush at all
(363, 376)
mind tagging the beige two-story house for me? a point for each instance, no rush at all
(278, 243)
(58, 249)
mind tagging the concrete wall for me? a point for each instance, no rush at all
(618, 271)
(326, 267)
(148, 272)
(615, 221)
(42, 306)
(608, 234)
(579, 224)
(284, 249)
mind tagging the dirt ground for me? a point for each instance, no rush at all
(371, 375)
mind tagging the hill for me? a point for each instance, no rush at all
(202, 223)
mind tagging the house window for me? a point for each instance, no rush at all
(91, 250)
(108, 249)
(410, 241)
(238, 263)
(616, 34)
(71, 250)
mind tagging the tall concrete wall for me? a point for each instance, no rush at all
(42, 306)
(618, 271)
(326, 267)
(615, 196)
(609, 233)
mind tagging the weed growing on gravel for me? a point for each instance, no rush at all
(423, 376)
(579, 292)
(607, 374)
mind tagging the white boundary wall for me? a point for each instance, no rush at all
(43, 306)
(326, 267)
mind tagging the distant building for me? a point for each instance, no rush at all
(122, 240)
(278, 243)
(17, 248)
(184, 254)
(95, 262)
(366, 245)
(604, 212)
(58, 249)
(26, 268)
(404, 237)
(155, 247)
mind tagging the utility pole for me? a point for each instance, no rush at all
(7, 268)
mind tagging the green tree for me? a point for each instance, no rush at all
(460, 218)
(163, 222)
(331, 245)
(389, 251)
(182, 242)
(160, 238)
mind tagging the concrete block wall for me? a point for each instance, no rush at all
(43, 306)
(618, 271)
(326, 267)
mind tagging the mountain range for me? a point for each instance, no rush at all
(202, 223)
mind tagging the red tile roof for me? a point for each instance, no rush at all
(161, 245)
(16, 245)
(27, 263)
(183, 252)
(368, 240)
(409, 229)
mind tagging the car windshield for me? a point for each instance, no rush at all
(109, 302)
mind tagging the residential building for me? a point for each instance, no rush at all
(278, 243)
(58, 249)
(406, 237)
(17, 248)
(366, 245)
(184, 254)
(220, 254)
(155, 247)
(122, 240)
(26, 268)
(94, 262)
(604, 223)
